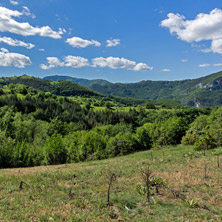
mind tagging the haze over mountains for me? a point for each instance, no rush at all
(204, 91)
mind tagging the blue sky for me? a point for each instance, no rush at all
(118, 40)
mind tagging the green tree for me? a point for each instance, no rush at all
(122, 144)
(143, 137)
(55, 152)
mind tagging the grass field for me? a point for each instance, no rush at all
(78, 192)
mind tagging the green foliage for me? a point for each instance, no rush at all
(122, 144)
(108, 105)
(206, 131)
(54, 149)
(92, 146)
(6, 150)
(205, 142)
(143, 136)
(39, 127)
(169, 131)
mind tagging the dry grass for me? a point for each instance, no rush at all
(48, 195)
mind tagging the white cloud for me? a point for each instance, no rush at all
(78, 42)
(216, 46)
(9, 24)
(76, 61)
(184, 60)
(204, 65)
(165, 70)
(142, 67)
(69, 61)
(119, 63)
(113, 42)
(13, 2)
(42, 50)
(218, 64)
(27, 12)
(203, 27)
(13, 59)
(15, 42)
(79, 62)
(52, 63)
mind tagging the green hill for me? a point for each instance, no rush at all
(204, 91)
(62, 88)
(84, 82)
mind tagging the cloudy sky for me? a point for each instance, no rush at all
(118, 40)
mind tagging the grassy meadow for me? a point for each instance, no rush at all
(78, 192)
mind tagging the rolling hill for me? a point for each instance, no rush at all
(84, 82)
(204, 91)
(62, 88)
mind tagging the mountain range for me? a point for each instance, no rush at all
(204, 91)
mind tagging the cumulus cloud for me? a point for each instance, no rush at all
(184, 60)
(204, 65)
(76, 61)
(216, 46)
(13, 59)
(42, 50)
(203, 27)
(112, 43)
(69, 61)
(13, 2)
(52, 63)
(15, 42)
(165, 70)
(79, 62)
(119, 63)
(9, 24)
(78, 42)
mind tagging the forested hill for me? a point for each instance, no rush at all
(84, 82)
(205, 91)
(62, 88)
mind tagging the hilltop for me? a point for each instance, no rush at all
(62, 88)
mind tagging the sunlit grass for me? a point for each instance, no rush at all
(78, 192)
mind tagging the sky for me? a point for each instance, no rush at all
(117, 40)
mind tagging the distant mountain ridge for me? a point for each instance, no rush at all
(84, 82)
(204, 91)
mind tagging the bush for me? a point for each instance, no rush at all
(143, 137)
(54, 150)
(122, 144)
(190, 138)
(6, 151)
(205, 142)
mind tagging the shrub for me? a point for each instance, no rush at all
(205, 142)
(54, 149)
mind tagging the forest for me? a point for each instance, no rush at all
(41, 128)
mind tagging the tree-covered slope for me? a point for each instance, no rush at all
(204, 91)
(84, 82)
(62, 88)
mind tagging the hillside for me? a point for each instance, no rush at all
(62, 88)
(84, 82)
(78, 192)
(204, 91)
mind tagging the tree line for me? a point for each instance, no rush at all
(42, 128)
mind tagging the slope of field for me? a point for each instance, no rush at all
(78, 192)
